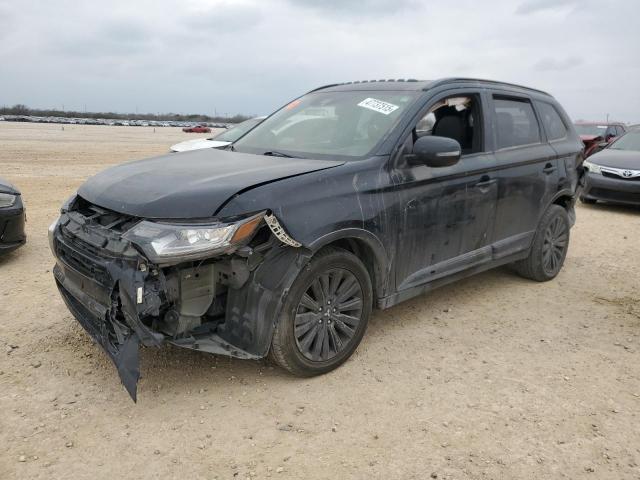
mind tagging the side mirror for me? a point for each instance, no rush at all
(435, 152)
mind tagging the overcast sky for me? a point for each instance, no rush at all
(251, 56)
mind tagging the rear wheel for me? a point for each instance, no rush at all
(325, 314)
(549, 248)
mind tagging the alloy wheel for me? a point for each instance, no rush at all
(554, 245)
(328, 314)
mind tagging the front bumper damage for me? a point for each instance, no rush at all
(226, 305)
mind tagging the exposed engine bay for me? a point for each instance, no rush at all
(123, 299)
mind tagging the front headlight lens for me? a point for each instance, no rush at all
(7, 200)
(163, 242)
(592, 167)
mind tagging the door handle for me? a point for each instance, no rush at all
(549, 168)
(485, 182)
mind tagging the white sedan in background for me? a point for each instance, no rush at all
(219, 140)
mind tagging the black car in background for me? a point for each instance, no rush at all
(12, 218)
(352, 197)
(613, 174)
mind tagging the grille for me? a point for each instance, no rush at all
(118, 222)
(79, 257)
(619, 177)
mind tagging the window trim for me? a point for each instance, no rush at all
(566, 128)
(475, 95)
(521, 99)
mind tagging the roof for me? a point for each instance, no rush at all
(418, 85)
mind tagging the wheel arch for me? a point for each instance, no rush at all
(567, 200)
(367, 247)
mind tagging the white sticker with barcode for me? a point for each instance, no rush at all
(378, 106)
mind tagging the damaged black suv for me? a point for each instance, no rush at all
(351, 197)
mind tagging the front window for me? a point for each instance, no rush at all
(595, 130)
(630, 141)
(346, 124)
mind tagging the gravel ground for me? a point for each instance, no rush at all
(491, 377)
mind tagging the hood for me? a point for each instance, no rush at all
(6, 187)
(197, 144)
(191, 184)
(610, 157)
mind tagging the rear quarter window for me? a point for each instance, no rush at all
(552, 121)
(516, 122)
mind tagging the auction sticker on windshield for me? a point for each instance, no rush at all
(378, 106)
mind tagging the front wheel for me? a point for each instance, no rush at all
(549, 248)
(325, 314)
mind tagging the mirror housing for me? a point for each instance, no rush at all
(435, 152)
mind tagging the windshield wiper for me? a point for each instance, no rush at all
(279, 154)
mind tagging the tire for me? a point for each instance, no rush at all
(588, 201)
(310, 340)
(549, 248)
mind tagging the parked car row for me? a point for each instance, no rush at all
(110, 121)
(613, 173)
(596, 135)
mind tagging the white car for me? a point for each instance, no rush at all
(219, 140)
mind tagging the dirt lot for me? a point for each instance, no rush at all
(492, 377)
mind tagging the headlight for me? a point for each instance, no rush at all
(165, 242)
(7, 200)
(592, 167)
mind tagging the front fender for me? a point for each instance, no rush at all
(381, 264)
(254, 309)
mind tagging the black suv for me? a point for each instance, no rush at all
(353, 196)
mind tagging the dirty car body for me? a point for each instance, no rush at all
(207, 252)
(12, 218)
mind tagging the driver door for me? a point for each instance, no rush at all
(447, 212)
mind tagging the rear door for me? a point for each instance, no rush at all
(527, 172)
(565, 142)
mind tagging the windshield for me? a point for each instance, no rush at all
(346, 124)
(234, 133)
(595, 130)
(629, 141)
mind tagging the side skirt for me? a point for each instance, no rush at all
(391, 300)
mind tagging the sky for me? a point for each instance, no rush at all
(252, 56)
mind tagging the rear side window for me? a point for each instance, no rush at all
(517, 124)
(553, 124)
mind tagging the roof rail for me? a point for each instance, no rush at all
(493, 82)
(366, 81)
(325, 86)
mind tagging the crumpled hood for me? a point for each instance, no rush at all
(610, 157)
(191, 184)
(6, 187)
